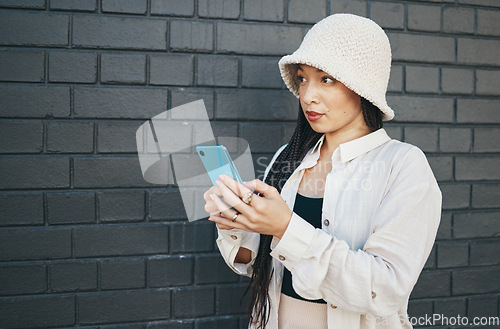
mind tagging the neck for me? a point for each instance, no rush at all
(334, 138)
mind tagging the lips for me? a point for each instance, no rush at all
(313, 116)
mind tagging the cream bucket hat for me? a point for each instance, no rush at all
(352, 49)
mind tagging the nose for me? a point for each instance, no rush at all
(309, 93)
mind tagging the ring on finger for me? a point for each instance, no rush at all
(235, 216)
(247, 198)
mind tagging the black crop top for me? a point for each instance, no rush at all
(309, 209)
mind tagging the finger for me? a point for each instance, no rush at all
(222, 207)
(235, 186)
(212, 190)
(226, 223)
(231, 198)
(259, 186)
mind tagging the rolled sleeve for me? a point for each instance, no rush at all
(229, 243)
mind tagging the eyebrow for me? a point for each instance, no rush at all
(300, 69)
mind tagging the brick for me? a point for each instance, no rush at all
(165, 205)
(485, 195)
(219, 8)
(420, 308)
(108, 172)
(184, 96)
(456, 196)
(228, 299)
(487, 22)
(256, 105)
(475, 225)
(432, 284)
(478, 110)
(306, 12)
(70, 137)
(444, 230)
(73, 5)
(264, 10)
(477, 168)
(422, 48)
(258, 38)
(123, 69)
(24, 244)
(455, 139)
(457, 81)
(430, 263)
(287, 131)
(491, 3)
(216, 323)
(119, 102)
(452, 15)
(70, 208)
(424, 18)
(225, 129)
(486, 139)
(453, 254)
(43, 29)
(102, 308)
(117, 137)
(21, 137)
(218, 71)
(213, 269)
(192, 237)
(72, 67)
(124, 6)
(482, 306)
(39, 311)
(396, 79)
(442, 167)
(425, 138)
(422, 79)
(21, 209)
(485, 252)
(123, 274)
(388, 15)
(422, 109)
(123, 33)
(191, 35)
(193, 302)
(31, 172)
(170, 271)
(179, 324)
(34, 101)
(261, 137)
(395, 132)
(35, 4)
(120, 240)
(172, 7)
(26, 279)
(486, 82)
(26, 66)
(450, 307)
(358, 7)
(121, 206)
(478, 51)
(73, 276)
(261, 73)
(476, 281)
(175, 70)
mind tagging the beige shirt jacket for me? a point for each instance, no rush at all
(381, 211)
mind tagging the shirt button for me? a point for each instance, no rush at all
(326, 222)
(234, 237)
(374, 294)
(282, 258)
(333, 306)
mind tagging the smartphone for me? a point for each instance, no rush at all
(217, 161)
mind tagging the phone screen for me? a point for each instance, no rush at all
(217, 161)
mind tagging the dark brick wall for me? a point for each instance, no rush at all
(85, 242)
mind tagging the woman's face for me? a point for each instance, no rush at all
(328, 104)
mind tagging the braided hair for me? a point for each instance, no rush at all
(303, 138)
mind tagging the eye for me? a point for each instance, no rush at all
(301, 79)
(327, 79)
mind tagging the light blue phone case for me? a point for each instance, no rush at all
(217, 161)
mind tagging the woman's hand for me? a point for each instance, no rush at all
(267, 214)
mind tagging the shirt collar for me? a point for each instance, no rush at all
(356, 147)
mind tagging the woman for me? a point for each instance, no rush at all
(346, 218)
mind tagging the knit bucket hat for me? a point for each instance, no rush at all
(352, 49)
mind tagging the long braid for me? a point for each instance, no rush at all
(303, 138)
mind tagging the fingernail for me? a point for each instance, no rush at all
(217, 182)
